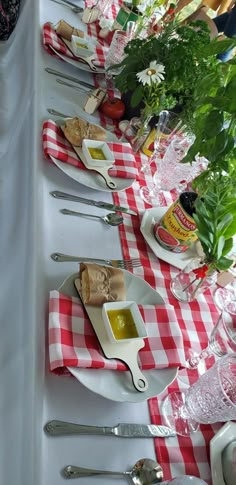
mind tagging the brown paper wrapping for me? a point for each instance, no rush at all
(66, 30)
(100, 284)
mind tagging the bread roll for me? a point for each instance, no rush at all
(100, 284)
(66, 30)
(77, 129)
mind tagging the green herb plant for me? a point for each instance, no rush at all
(181, 49)
(215, 218)
(214, 122)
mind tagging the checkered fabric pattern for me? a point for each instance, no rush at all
(50, 38)
(55, 144)
(73, 342)
(180, 455)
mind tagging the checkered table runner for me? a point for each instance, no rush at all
(55, 145)
(180, 455)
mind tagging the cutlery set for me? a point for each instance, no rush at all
(145, 471)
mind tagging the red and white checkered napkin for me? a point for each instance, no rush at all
(55, 144)
(73, 342)
(51, 38)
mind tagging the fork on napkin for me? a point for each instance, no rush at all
(56, 145)
(73, 342)
(51, 38)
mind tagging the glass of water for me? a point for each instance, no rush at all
(211, 399)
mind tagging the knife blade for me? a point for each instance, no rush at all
(70, 78)
(103, 205)
(121, 430)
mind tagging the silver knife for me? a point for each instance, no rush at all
(70, 78)
(122, 430)
(104, 205)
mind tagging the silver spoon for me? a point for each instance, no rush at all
(144, 472)
(111, 219)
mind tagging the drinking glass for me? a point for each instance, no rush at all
(114, 56)
(223, 296)
(222, 340)
(170, 173)
(211, 399)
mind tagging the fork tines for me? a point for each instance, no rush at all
(126, 263)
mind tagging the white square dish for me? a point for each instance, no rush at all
(99, 148)
(126, 324)
(81, 46)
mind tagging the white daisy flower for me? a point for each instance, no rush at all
(153, 74)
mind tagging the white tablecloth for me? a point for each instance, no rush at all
(31, 229)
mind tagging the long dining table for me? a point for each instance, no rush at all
(33, 229)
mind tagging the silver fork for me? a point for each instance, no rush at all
(116, 263)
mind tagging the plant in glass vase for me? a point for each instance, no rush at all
(215, 219)
(181, 49)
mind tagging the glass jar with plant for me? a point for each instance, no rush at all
(215, 219)
(181, 51)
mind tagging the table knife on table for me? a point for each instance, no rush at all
(103, 205)
(123, 430)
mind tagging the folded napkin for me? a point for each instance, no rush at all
(51, 38)
(73, 342)
(55, 144)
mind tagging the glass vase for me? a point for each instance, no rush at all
(142, 130)
(193, 280)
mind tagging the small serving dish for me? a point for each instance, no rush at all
(97, 153)
(123, 321)
(81, 46)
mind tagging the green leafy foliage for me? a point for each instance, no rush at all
(214, 123)
(215, 218)
(184, 51)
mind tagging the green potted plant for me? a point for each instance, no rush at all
(215, 219)
(214, 122)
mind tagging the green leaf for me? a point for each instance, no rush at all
(213, 123)
(137, 96)
(224, 223)
(231, 230)
(217, 47)
(228, 246)
(224, 263)
(220, 246)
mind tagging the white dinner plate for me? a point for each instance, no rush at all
(89, 178)
(179, 260)
(78, 64)
(117, 385)
(217, 444)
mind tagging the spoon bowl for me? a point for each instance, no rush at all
(144, 472)
(112, 219)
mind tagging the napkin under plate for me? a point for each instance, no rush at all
(55, 144)
(51, 38)
(73, 342)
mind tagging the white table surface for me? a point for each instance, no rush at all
(65, 398)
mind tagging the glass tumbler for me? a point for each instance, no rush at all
(211, 399)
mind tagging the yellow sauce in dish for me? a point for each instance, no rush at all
(97, 153)
(122, 324)
(83, 46)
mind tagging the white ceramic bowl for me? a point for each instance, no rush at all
(99, 145)
(121, 321)
(81, 46)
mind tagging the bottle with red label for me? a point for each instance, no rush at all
(176, 229)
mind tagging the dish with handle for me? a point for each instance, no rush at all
(87, 177)
(117, 385)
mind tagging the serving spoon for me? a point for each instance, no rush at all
(144, 472)
(112, 219)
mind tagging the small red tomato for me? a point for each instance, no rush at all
(113, 108)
